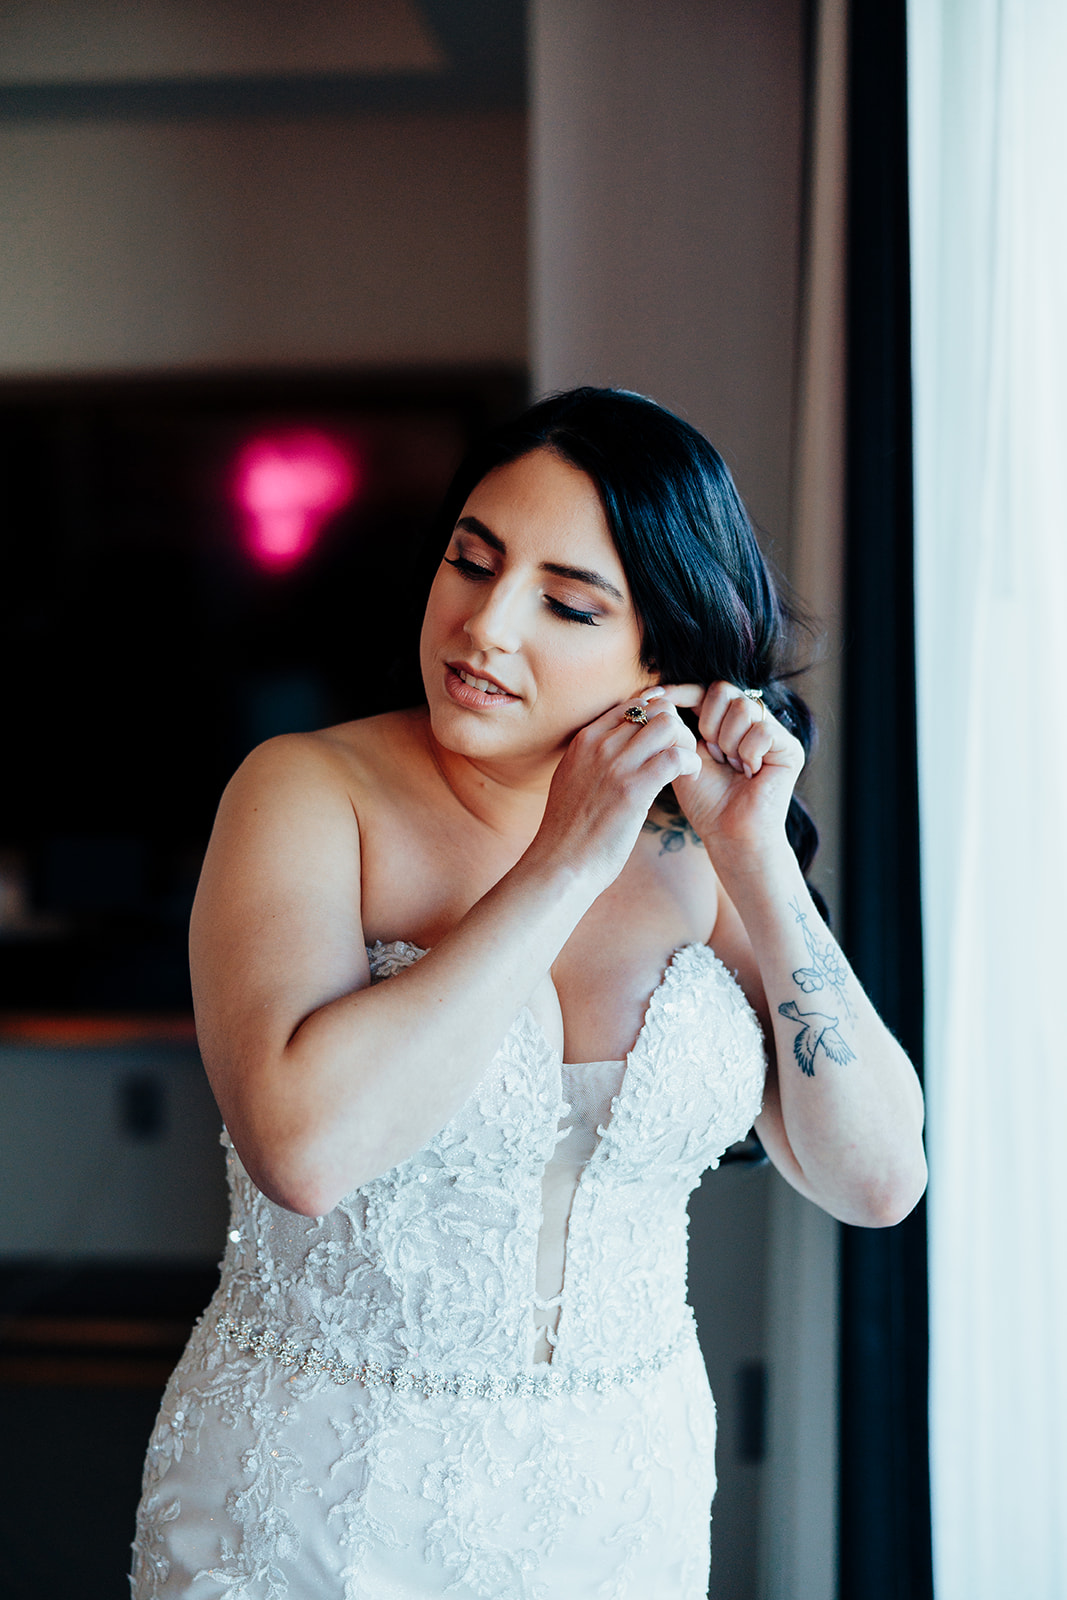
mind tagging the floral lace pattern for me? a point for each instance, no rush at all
(268, 1483)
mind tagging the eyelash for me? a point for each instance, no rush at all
(477, 573)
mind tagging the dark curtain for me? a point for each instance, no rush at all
(885, 1484)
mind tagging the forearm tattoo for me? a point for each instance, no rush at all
(818, 1030)
(677, 831)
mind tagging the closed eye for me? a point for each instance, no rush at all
(469, 569)
(478, 574)
(568, 613)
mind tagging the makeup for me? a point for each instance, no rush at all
(466, 693)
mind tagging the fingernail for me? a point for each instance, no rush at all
(736, 764)
(716, 754)
(653, 694)
(746, 769)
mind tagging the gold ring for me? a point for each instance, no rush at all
(756, 695)
(637, 715)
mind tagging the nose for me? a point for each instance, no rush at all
(494, 624)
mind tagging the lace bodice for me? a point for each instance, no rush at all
(444, 1261)
(366, 1408)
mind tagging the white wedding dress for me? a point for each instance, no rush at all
(478, 1375)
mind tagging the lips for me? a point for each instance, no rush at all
(486, 685)
(469, 688)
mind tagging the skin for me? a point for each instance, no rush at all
(509, 835)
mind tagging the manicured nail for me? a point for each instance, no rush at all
(746, 769)
(736, 764)
(716, 754)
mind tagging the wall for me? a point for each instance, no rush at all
(147, 244)
(666, 201)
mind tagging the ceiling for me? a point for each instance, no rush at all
(89, 59)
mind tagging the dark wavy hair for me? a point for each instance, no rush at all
(708, 605)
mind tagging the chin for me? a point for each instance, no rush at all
(464, 733)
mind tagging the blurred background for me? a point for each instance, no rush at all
(266, 268)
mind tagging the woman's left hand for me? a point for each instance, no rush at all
(749, 765)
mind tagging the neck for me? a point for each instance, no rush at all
(506, 797)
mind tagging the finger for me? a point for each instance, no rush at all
(710, 704)
(659, 751)
(640, 709)
(717, 700)
(739, 714)
(673, 761)
(680, 732)
(690, 695)
(713, 704)
(613, 719)
(753, 747)
(663, 728)
(751, 742)
(689, 764)
(640, 697)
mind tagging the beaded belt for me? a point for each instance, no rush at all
(465, 1385)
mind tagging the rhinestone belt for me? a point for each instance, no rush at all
(465, 1385)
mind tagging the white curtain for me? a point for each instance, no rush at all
(988, 99)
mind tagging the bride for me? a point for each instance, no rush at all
(482, 987)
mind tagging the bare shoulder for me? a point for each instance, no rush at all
(306, 769)
(345, 749)
(374, 739)
(300, 762)
(285, 834)
(277, 926)
(287, 838)
(374, 754)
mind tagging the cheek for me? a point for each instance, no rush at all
(586, 681)
(437, 619)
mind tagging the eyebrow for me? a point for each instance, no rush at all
(595, 580)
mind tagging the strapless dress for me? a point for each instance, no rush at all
(477, 1375)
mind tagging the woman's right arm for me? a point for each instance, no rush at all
(323, 1081)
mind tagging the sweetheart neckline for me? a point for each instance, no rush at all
(638, 1062)
(679, 950)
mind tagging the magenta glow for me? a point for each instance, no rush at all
(286, 486)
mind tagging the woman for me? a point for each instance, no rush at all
(450, 1351)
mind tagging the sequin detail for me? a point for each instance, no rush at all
(264, 1342)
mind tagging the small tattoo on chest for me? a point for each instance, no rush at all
(674, 834)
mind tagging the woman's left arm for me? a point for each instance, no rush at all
(842, 1113)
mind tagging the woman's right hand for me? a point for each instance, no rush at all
(605, 784)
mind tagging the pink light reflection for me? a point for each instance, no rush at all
(287, 485)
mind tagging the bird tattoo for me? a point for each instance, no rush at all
(817, 1032)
